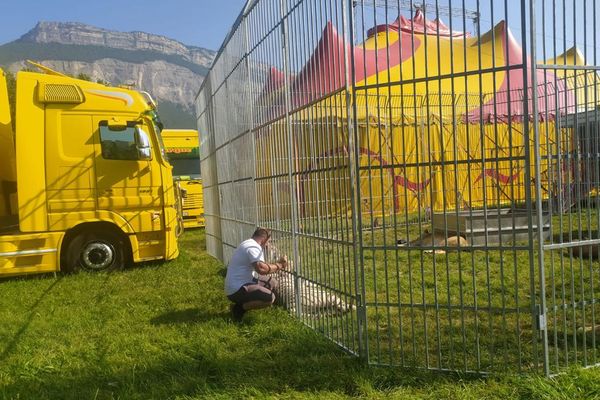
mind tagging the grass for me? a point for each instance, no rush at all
(162, 331)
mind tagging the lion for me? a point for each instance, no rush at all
(315, 299)
(436, 239)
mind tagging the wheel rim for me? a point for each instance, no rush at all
(97, 255)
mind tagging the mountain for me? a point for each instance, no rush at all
(171, 71)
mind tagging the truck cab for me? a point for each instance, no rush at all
(85, 180)
(182, 146)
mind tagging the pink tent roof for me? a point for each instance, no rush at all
(275, 80)
(325, 71)
(508, 101)
(418, 24)
(271, 101)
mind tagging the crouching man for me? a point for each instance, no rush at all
(247, 283)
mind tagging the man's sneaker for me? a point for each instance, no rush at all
(237, 312)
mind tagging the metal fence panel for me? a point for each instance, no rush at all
(568, 261)
(433, 181)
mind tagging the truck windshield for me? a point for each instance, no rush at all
(185, 161)
(186, 167)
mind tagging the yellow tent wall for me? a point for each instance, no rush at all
(404, 167)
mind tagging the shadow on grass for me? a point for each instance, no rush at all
(302, 367)
(153, 264)
(31, 277)
(189, 315)
(12, 343)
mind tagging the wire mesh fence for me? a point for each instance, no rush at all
(434, 183)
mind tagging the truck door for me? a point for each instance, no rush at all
(126, 184)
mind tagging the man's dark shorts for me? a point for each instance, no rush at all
(261, 289)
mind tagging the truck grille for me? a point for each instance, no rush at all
(193, 201)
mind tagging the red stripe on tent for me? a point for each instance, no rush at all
(492, 173)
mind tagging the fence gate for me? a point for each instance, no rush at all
(432, 169)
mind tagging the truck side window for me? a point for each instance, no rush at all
(118, 144)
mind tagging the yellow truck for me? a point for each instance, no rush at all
(184, 154)
(85, 181)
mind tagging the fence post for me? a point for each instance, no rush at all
(538, 188)
(252, 112)
(538, 305)
(353, 163)
(291, 159)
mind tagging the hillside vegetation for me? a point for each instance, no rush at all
(174, 116)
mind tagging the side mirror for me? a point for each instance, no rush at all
(142, 143)
(144, 154)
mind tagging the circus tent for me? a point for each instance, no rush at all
(419, 89)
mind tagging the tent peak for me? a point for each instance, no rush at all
(419, 24)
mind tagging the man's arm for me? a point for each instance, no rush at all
(264, 268)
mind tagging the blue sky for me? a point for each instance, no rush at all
(201, 23)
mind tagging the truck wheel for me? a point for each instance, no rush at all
(98, 251)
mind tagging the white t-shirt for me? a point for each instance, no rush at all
(240, 270)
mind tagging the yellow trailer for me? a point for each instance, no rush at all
(184, 154)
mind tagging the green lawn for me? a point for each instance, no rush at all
(162, 331)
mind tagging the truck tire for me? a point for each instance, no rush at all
(94, 252)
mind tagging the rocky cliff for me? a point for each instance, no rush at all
(74, 33)
(170, 70)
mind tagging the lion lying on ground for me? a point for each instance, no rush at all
(315, 300)
(436, 239)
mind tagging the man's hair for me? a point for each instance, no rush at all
(261, 233)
